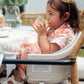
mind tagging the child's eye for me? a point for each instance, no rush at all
(50, 14)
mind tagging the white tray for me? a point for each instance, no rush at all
(6, 52)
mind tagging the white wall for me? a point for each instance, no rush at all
(40, 5)
(80, 4)
(36, 6)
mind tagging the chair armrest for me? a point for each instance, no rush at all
(40, 62)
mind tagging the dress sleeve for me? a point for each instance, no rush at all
(63, 38)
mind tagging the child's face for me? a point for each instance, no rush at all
(53, 17)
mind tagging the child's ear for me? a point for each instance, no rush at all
(66, 16)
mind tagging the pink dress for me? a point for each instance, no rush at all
(62, 36)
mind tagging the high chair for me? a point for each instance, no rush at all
(35, 75)
(57, 67)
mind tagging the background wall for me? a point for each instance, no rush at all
(36, 6)
(40, 5)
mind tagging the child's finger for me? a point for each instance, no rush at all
(33, 25)
(39, 24)
(32, 22)
(43, 22)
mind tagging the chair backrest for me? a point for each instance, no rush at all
(26, 17)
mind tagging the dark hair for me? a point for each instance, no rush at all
(63, 7)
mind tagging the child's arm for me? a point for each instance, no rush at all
(45, 46)
(43, 43)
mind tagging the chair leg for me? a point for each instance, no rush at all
(74, 74)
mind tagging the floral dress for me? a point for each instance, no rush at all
(61, 36)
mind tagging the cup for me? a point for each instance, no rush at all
(39, 18)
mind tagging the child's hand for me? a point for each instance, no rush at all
(33, 25)
(39, 26)
(42, 27)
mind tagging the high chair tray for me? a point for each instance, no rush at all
(10, 53)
